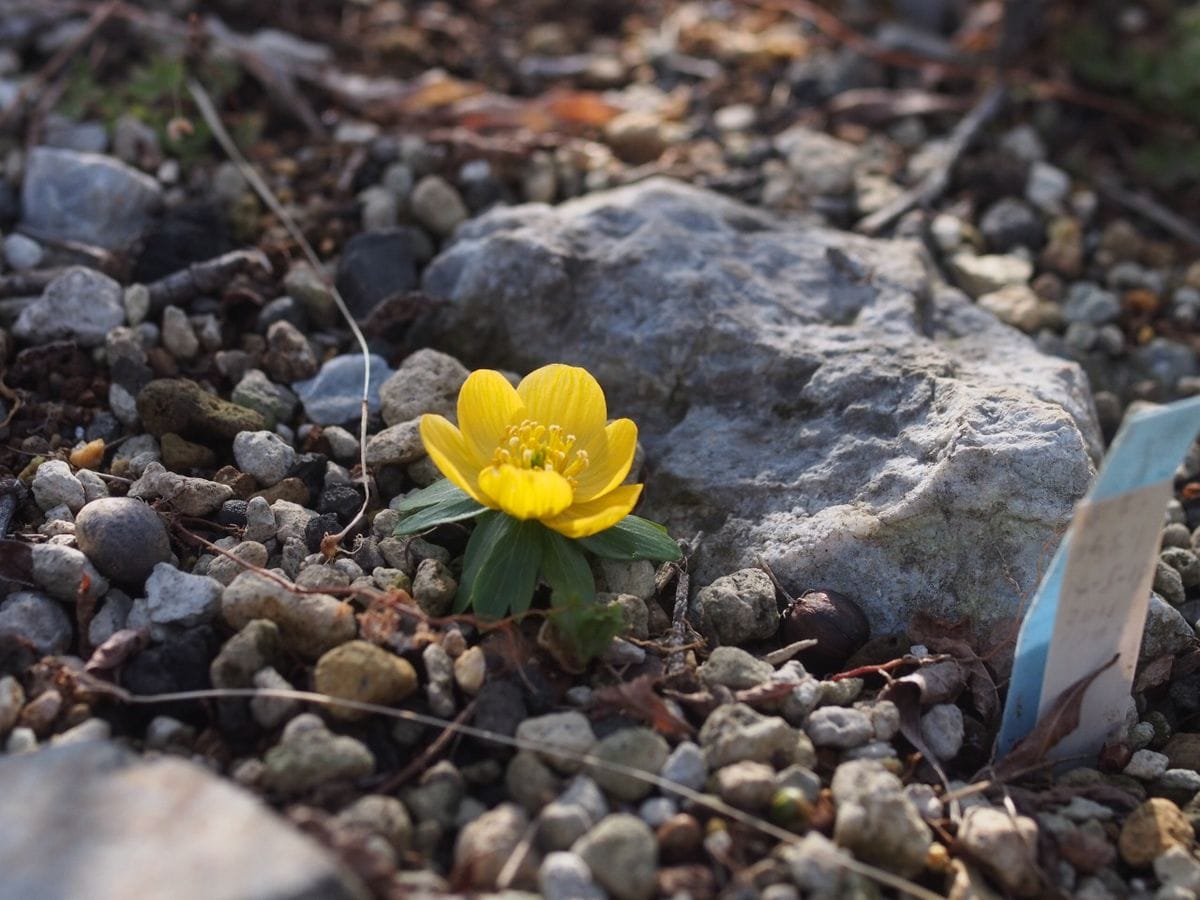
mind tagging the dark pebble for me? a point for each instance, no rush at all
(317, 528)
(281, 309)
(375, 265)
(179, 663)
(500, 707)
(343, 500)
(124, 538)
(181, 237)
(310, 468)
(232, 512)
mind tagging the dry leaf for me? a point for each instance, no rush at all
(117, 649)
(1154, 674)
(637, 698)
(1059, 721)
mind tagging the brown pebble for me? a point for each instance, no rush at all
(292, 490)
(1152, 829)
(239, 482)
(40, 712)
(1183, 751)
(89, 455)
(679, 837)
(181, 455)
(695, 881)
(360, 671)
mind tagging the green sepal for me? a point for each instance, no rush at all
(633, 538)
(440, 491)
(449, 509)
(500, 566)
(566, 570)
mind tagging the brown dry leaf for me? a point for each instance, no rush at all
(579, 108)
(767, 692)
(939, 682)
(906, 694)
(380, 622)
(1059, 721)
(117, 649)
(1154, 674)
(637, 698)
(985, 696)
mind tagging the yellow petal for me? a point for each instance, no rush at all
(487, 405)
(448, 449)
(566, 396)
(610, 454)
(592, 516)
(526, 493)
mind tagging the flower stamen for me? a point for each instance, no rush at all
(532, 445)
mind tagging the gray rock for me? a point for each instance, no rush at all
(1184, 561)
(12, 698)
(437, 205)
(111, 618)
(256, 647)
(334, 395)
(86, 197)
(568, 817)
(840, 727)
(397, 445)
(486, 845)
(822, 164)
(60, 571)
(817, 867)
(178, 336)
(632, 577)
(33, 618)
(737, 608)
(188, 496)
(385, 816)
(531, 783)
(979, 275)
(734, 732)
(1168, 584)
(564, 876)
(901, 417)
(1146, 765)
(622, 854)
(309, 623)
(256, 391)
(1166, 632)
(80, 305)
(309, 754)
(434, 587)
(636, 748)
(1009, 223)
(145, 829)
(124, 538)
(1047, 187)
(734, 668)
(260, 520)
(55, 485)
(1090, 303)
(180, 598)
(22, 253)
(1004, 846)
(686, 766)
(426, 382)
(264, 455)
(942, 730)
(224, 569)
(746, 785)
(566, 731)
(876, 820)
(270, 712)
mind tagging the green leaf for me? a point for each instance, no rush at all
(500, 566)
(632, 538)
(450, 510)
(438, 492)
(566, 570)
(587, 628)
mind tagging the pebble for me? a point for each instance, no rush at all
(746, 785)
(470, 669)
(260, 520)
(734, 732)
(428, 381)
(342, 444)
(439, 687)
(567, 731)
(1180, 786)
(309, 754)
(87, 197)
(1088, 302)
(264, 455)
(362, 672)
(61, 572)
(621, 852)
(738, 608)
(564, 876)
(569, 816)
(1047, 187)
(385, 816)
(839, 727)
(178, 336)
(1183, 750)
(1151, 829)
(485, 846)
(255, 647)
(33, 618)
(636, 748)
(1004, 846)
(1146, 765)
(686, 766)
(289, 356)
(270, 712)
(397, 445)
(179, 598)
(250, 553)
(111, 618)
(657, 810)
(876, 819)
(1016, 305)
(185, 495)
(1178, 873)
(182, 406)
(81, 305)
(334, 395)
(1010, 223)
(734, 668)
(979, 275)
(434, 587)
(437, 205)
(274, 402)
(55, 485)
(86, 731)
(530, 782)
(12, 698)
(22, 253)
(1184, 561)
(814, 864)
(309, 623)
(942, 730)
(1166, 632)
(822, 164)
(376, 265)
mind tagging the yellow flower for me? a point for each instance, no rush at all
(543, 450)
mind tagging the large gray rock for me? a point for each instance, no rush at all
(804, 395)
(86, 197)
(91, 819)
(80, 305)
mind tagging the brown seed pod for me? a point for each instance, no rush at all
(834, 620)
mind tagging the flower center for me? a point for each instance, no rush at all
(532, 445)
